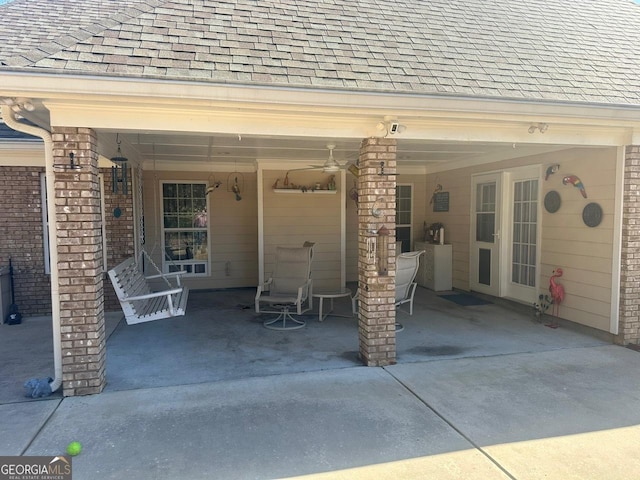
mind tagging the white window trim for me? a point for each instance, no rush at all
(166, 263)
(412, 211)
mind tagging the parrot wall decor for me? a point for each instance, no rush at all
(576, 182)
(551, 169)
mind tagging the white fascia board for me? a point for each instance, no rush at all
(61, 86)
(22, 153)
(189, 119)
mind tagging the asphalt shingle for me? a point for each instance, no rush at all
(578, 51)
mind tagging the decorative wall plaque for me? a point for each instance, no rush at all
(552, 201)
(592, 215)
(441, 202)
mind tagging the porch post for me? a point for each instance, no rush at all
(377, 313)
(79, 243)
(629, 318)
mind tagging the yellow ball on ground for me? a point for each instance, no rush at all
(74, 448)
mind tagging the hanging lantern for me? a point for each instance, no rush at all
(383, 250)
(119, 170)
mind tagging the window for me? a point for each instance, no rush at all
(486, 212)
(185, 236)
(403, 216)
(525, 221)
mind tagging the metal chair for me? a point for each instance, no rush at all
(289, 291)
(406, 269)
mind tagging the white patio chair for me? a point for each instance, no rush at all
(406, 269)
(290, 289)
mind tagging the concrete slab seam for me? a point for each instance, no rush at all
(44, 424)
(448, 422)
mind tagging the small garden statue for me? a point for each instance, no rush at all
(541, 307)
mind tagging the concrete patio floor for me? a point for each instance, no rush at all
(478, 392)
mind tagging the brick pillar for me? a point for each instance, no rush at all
(629, 318)
(79, 240)
(377, 313)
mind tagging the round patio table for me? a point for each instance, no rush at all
(331, 295)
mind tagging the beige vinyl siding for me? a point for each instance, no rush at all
(290, 219)
(584, 253)
(456, 220)
(233, 228)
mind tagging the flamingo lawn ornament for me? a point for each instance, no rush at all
(556, 290)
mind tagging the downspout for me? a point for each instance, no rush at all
(9, 118)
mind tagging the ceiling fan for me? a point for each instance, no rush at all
(331, 165)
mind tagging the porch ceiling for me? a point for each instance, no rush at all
(176, 150)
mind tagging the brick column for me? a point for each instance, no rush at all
(79, 240)
(629, 318)
(377, 313)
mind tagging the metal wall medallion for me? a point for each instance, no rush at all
(592, 215)
(552, 201)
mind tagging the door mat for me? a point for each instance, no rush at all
(464, 299)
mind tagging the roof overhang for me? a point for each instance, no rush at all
(147, 106)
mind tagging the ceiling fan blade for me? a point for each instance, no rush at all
(310, 167)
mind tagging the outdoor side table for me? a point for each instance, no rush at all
(345, 292)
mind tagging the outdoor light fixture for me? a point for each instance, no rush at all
(119, 170)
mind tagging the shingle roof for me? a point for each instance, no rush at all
(558, 50)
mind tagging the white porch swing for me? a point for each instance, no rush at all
(137, 299)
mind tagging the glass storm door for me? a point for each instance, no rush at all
(485, 234)
(522, 272)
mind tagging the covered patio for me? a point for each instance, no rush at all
(222, 338)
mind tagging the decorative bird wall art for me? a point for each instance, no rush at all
(576, 182)
(236, 189)
(436, 190)
(551, 169)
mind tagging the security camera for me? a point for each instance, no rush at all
(393, 127)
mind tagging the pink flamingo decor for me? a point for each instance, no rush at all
(557, 292)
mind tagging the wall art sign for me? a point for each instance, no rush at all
(441, 202)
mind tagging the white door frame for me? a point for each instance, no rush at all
(474, 246)
(508, 288)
